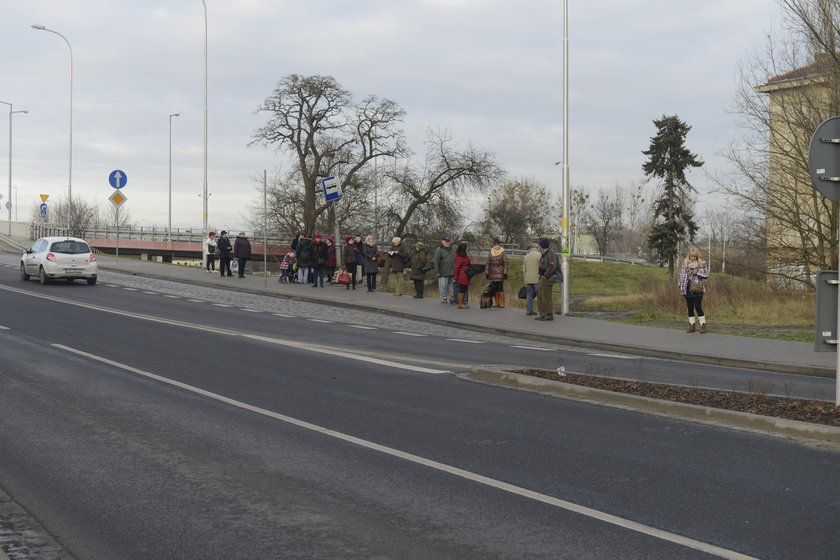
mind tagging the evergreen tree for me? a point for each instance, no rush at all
(668, 159)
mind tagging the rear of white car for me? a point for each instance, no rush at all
(65, 258)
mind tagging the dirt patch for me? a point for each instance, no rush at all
(804, 410)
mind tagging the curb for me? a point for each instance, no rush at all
(561, 340)
(497, 374)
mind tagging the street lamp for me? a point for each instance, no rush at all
(169, 229)
(204, 198)
(70, 164)
(9, 202)
(565, 251)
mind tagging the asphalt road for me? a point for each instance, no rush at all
(135, 425)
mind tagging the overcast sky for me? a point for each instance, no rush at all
(490, 72)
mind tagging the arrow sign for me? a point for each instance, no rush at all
(117, 179)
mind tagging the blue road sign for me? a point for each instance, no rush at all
(332, 190)
(117, 179)
(43, 208)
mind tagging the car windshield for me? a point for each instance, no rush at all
(70, 247)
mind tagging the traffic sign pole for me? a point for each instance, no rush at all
(824, 167)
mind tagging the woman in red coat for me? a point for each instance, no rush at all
(462, 279)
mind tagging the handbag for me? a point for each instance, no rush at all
(523, 292)
(343, 278)
(697, 286)
(428, 266)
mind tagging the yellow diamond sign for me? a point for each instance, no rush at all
(117, 198)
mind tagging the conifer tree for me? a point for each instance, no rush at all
(668, 159)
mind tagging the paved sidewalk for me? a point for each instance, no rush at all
(728, 350)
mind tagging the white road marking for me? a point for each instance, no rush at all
(249, 310)
(172, 297)
(532, 348)
(152, 293)
(112, 285)
(196, 300)
(222, 305)
(2, 328)
(466, 341)
(282, 315)
(408, 333)
(619, 356)
(320, 321)
(362, 327)
(455, 471)
(130, 289)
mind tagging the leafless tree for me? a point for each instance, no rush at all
(604, 218)
(80, 217)
(518, 210)
(326, 134)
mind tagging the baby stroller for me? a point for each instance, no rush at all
(487, 296)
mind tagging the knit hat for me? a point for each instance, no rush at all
(347, 238)
(544, 243)
(291, 254)
(419, 245)
(396, 241)
(445, 238)
(224, 232)
(330, 239)
(317, 236)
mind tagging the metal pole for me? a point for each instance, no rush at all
(169, 228)
(265, 226)
(204, 198)
(837, 369)
(70, 159)
(9, 202)
(565, 249)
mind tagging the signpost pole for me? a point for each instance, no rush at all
(265, 226)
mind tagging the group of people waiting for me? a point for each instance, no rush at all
(314, 261)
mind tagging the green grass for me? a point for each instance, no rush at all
(645, 295)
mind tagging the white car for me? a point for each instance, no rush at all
(65, 258)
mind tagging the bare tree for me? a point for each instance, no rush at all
(81, 216)
(784, 93)
(517, 210)
(447, 171)
(315, 120)
(604, 217)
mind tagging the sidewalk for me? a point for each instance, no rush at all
(711, 348)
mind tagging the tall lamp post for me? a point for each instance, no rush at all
(70, 158)
(204, 191)
(169, 228)
(566, 201)
(9, 202)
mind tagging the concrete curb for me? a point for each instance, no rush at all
(501, 331)
(501, 375)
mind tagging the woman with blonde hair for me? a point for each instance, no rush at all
(692, 285)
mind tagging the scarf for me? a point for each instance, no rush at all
(496, 252)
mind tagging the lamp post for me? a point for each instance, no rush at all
(169, 228)
(9, 202)
(565, 250)
(204, 191)
(70, 158)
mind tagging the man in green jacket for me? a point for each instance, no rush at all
(549, 269)
(443, 265)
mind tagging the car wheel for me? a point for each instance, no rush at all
(23, 275)
(42, 276)
(91, 281)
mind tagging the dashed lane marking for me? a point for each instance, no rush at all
(408, 333)
(171, 296)
(283, 315)
(619, 356)
(196, 300)
(152, 293)
(249, 310)
(466, 341)
(436, 465)
(2, 328)
(321, 321)
(532, 348)
(222, 305)
(362, 327)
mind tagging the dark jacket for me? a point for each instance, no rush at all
(497, 267)
(460, 270)
(370, 253)
(330, 262)
(304, 252)
(444, 261)
(549, 266)
(418, 260)
(350, 251)
(399, 257)
(242, 247)
(319, 254)
(224, 247)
